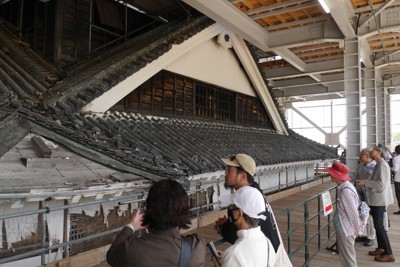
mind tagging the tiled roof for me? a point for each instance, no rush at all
(153, 147)
(173, 147)
(31, 74)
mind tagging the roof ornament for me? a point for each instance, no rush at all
(224, 40)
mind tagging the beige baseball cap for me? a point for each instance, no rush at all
(243, 161)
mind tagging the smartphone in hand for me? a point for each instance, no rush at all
(214, 253)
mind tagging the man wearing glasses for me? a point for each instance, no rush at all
(379, 196)
(364, 171)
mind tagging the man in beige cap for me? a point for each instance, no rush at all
(240, 172)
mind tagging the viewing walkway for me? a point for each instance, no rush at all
(323, 258)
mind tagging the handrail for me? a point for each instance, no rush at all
(63, 207)
(197, 210)
(308, 237)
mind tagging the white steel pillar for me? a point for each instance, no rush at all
(380, 111)
(369, 90)
(352, 86)
(388, 121)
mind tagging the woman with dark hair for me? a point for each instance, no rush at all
(167, 211)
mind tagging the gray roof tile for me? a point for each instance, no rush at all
(191, 145)
(146, 145)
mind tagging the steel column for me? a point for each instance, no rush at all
(352, 84)
(388, 120)
(380, 111)
(369, 89)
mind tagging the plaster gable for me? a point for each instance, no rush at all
(212, 63)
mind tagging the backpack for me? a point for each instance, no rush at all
(269, 227)
(363, 211)
(390, 162)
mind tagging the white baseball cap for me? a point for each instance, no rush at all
(248, 199)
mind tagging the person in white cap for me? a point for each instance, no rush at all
(239, 173)
(252, 248)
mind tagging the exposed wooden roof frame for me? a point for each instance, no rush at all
(280, 5)
(320, 52)
(298, 23)
(367, 9)
(283, 11)
(319, 46)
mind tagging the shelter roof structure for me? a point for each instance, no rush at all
(302, 46)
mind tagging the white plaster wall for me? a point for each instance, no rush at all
(214, 64)
(19, 228)
(269, 180)
(55, 224)
(273, 179)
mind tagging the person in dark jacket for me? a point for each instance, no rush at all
(167, 211)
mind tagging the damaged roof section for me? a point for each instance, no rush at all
(173, 147)
(39, 168)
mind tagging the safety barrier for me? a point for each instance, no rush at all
(316, 234)
(44, 247)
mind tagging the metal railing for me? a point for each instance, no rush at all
(44, 246)
(198, 211)
(306, 228)
(316, 227)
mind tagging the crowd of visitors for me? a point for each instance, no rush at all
(379, 197)
(250, 224)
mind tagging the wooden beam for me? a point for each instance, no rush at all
(40, 147)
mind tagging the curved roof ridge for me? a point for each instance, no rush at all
(75, 92)
(42, 71)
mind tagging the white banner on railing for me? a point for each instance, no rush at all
(327, 202)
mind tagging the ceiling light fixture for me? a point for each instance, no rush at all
(324, 5)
